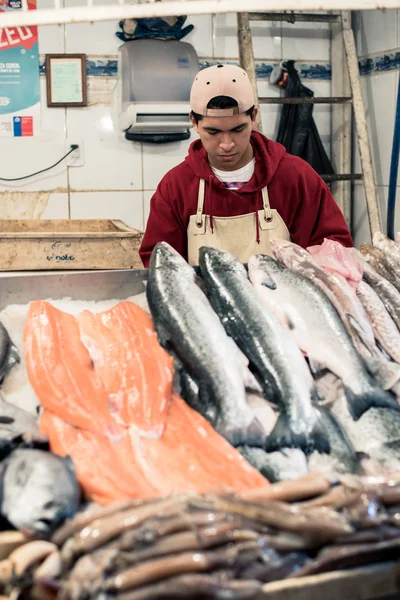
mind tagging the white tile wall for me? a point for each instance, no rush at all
(127, 206)
(51, 37)
(158, 159)
(57, 207)
(267, 42)
(306, 41)
(147, 195)
(111, 162)
(361, 230)
(376, 30)
(201, 37)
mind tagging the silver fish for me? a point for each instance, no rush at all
(377, 259)
(384, 327)
(282, 465)
(17, 427)
(9, 355)
(270, 348)
(390, 249)
(38, 490)
(186, 323)
(385, 290)
(319, 332)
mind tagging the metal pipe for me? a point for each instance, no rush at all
(291, 17)
(325, 100)
(113, 12)
(361, 125)
(342, 177)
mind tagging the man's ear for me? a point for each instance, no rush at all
(193, 121)
(253, 120)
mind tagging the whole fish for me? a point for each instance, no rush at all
(270, 348)
(318, 330)
(384, 327)
(9, 355)
(342, 296)
(282, 465)
(377, 259)
(186, 323)
(342, 457)
(390, 250)
(38, 490)
(17, 427)
(385, 290)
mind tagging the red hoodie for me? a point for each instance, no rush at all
(295, 190)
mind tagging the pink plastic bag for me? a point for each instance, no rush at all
(338, 260)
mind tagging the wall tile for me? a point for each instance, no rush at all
(201, 36)
(306, 41)
(92, 38)
(111, 162)
(127, 206)
(159, 159)
(361, 230)
(57, 207)
(24, 156)
(147, 195)
(376, 31)
(51, 37)
(379, 97)
(266, 38)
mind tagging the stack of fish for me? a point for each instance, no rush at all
(291, 362)
(210, 546)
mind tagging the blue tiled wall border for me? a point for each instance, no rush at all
(369, 65)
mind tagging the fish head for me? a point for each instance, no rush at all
(213, 259)
(261, 268)
(165, 256)
(288, 253)
(39, 490)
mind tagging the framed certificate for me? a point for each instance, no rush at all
(66, 80)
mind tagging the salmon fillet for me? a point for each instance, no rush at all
(195, 458)
(105, 469)
(136, 371)
(160, 445)
(61, 372)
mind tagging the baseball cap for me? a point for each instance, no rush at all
(221, 80)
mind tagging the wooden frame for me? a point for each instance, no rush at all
(66, 83)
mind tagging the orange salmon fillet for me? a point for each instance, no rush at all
(195, 458)
(105, 469)
(61, 372)
(159, 445)
(117, 340)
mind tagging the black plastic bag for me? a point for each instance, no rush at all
(297, 129)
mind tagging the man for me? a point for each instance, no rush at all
(236, 190)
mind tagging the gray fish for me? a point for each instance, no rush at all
(319, 332)
(385, 290)
(283, 465)
(270, 348)
(377, 259)
(9, 355)
(16, 427)
(342, 457)
(186, 323)
(38, 490)
(197, 397)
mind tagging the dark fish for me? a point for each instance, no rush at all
(275, 567)
(38, 490)
(186, 323)
(9, 355)
(283, 465)
(270, 348)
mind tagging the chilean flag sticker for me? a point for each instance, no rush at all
(23, 126)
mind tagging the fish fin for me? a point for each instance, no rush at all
(282, 436)
(252, 435)
(163, 336)
(376, 397)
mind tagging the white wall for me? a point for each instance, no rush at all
(378, 45)
(119, 177)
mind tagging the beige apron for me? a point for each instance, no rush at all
(236, 235)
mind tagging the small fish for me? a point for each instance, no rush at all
(377, 259)
(38, 490)
(186, 323)
(384, 327)
(390, 250)
(9, 355)
(320, 333)
(16, 428)
(273, 354)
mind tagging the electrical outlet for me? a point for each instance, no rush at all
(75, 159)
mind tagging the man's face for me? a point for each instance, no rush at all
(226, 140)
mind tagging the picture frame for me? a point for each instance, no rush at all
(66, 83)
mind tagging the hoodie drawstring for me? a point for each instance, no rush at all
(210, 179)
(257, 227)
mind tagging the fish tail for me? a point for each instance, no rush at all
(252, 435)
(282, 436)
(375, 397)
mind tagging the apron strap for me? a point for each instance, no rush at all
(200, 204)
(266, 205)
